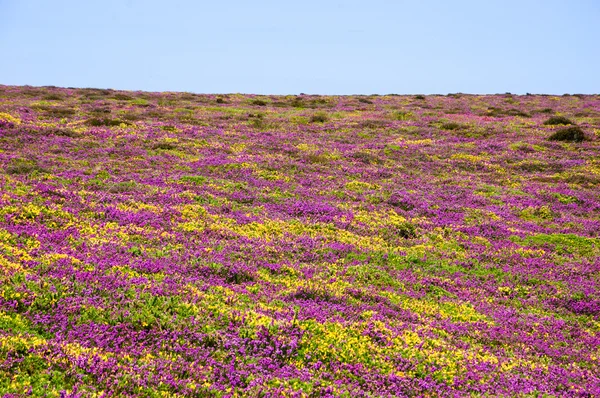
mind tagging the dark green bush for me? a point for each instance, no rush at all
(166, 145)
(97, 122)
(100, 110)
(498, 112)
(373, 123)
(366, 157)
(130, 116)
(546, 110)
(61, 131)
(297, 102)
(557, 120)
(319, 117)
(53, 97)
(59, 112)
(22, 167)
(419, 97)
(451, 126)
(122, 97)
(572, 134)
(259, 102)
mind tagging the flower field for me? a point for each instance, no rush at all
(177, 244)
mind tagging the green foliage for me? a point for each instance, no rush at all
(498, 112)
(122, 97)
(546, 110)
(23, 167)
(557, 120)
(319, 117)
(165, 145)
(140, 102)
(572, 134)
(566, 243)
(451, 126)
(258, 102)
(107, 122)
(403, 115)
(297, 102)
(53, 97)
(197, 180)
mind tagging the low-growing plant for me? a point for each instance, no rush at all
(23, 167)
(132, 116)
(367, 157)
(140, 102)
(498, 112)
(546, 110)
(53, 97)
(122, 97)
(258, 102)
(373, 123)
(319, 117)
(100, 110)
(59, 112)
(573, 134)
(403, 115)
(557, 120)
(169, 128)
(451, 126)
(166, 145)
(297, 102)
(60, 131)
(107, 122)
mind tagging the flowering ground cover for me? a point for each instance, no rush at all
(175, 244)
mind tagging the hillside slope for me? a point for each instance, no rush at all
(176, 244)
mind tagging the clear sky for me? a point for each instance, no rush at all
(314, 47)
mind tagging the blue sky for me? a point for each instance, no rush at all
(318, 47)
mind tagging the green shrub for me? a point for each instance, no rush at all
(61, 131)
(373, 123)
(22, 167)
(100, 110)
(319, 117)
(97, 122)
(140, 102)
(130, 116)
(498, 112)
(419, 97)
(403, 115)
(122, 97)
(572, 134)
(557, 120)
(546, 110)
(451, 126)
(53, 97)
(59, 112)
(259, 102)
(166, 145)
(297, 102)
